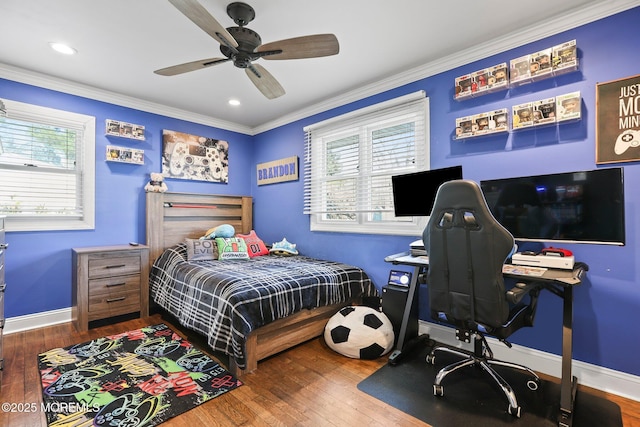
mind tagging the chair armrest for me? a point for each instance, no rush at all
(520, 290)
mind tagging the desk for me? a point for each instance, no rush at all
(559, 282)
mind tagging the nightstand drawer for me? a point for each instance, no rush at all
(105, 306)
(114, 285)
(114, 264)
(112, 296)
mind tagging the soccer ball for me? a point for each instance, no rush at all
(359, 333)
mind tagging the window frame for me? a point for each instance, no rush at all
(85, 163)
(411, 226)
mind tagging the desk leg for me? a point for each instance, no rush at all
(396, 355)
(568, 383)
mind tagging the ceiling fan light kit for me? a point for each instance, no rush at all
(242, 46)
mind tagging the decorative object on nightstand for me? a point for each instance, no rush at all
(109, 281)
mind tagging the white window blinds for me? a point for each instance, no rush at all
(43, 167)
(349, 161)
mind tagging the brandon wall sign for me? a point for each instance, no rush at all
(278, 171)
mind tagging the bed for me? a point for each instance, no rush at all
(246, 309)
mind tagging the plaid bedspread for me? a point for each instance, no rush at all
(227, 299)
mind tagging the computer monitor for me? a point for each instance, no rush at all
(414, 193)
(573, 207)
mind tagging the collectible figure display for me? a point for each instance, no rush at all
(522, 115)
(543, 64)
(482, 82)
(498, 76)
(568, 107)
(520, 70)
(463, 86)
(540, 63)
(464, 127)
(565, 57)
(544, 111)
(499, 120)
(482, 124)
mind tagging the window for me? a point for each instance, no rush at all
(349, 161)
(47, 162)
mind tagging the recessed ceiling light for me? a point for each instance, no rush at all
(234, 102)
(62, 48)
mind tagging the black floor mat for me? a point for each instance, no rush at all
(471, 399)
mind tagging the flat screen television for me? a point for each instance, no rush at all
(414, 193)
(572, 207)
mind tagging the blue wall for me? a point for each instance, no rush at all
(606, 304)
(39, 263)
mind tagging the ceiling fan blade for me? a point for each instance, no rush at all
(264, 81)
(190, 66)
(203, 19)
(302, 47)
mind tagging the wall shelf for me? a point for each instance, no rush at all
(548, 63)
(124, 155)
(124, 130)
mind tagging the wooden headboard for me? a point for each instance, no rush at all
(172, 217)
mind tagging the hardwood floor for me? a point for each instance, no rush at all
(308, 385)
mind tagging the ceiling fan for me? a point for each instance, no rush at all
(242, 45)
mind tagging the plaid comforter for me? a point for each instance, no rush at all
(227, 299)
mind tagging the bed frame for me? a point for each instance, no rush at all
(172, 217)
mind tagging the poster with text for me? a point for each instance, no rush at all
(618, 120)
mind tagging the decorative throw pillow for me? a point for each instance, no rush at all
(283, 248)
(231, 248)
(255, 246)
(201, 249)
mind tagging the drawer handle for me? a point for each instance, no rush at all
(4, 245)
(116, 299)
(111, 285)
(116, 266)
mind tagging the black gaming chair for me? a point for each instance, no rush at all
(467, 248)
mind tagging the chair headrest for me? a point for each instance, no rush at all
(461, 194)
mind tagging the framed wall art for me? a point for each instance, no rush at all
(193, 157)
(618, 120)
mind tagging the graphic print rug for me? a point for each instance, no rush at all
(139, 377)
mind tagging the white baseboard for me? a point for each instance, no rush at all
(37, 320)
(605, 379)
(608, 380)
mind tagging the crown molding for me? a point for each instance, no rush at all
(597, 10)
(21, 75)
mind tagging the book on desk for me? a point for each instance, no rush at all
(416, 248)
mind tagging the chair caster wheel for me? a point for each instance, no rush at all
(515, 411)
(533, 384)
(438, 390)
(431, 359)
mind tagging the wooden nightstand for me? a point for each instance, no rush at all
(109, 281)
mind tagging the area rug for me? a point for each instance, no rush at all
(470, 399)
(140, 377)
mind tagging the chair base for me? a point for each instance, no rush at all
(479, 358)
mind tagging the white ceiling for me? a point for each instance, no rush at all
(383, 43)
